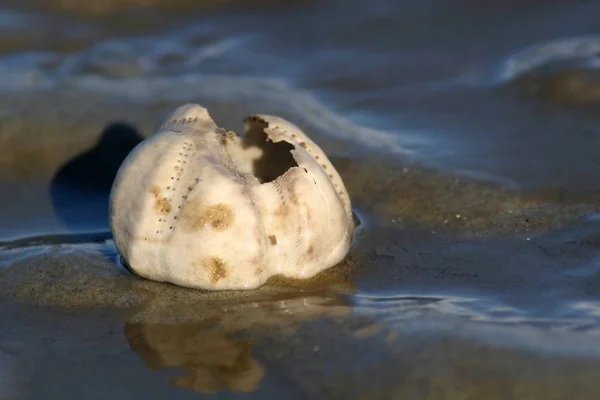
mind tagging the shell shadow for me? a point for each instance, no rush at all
(81, 188)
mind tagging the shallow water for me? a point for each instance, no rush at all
(464, 131)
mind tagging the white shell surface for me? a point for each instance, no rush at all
(200, 207)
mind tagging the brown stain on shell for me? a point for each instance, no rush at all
(220, 216)
(282, 211)
(273, 239)
(217, 268)
(195, 216)
(161, 205)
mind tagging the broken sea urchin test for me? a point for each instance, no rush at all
(201, 207)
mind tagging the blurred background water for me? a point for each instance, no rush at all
(455, 83)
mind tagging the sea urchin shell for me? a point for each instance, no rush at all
(201, 207)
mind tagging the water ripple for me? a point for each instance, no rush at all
(54, 240)
(584, 316)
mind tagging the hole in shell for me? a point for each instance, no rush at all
(276, 158)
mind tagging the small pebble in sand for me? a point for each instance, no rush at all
(198, 206)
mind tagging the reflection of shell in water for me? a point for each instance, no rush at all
(198, 336)
(201, 207)
(212, 361)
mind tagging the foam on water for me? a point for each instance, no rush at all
(261, 90)
(532, 57)
(134, 68)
